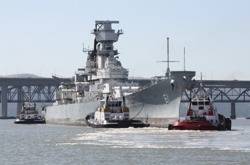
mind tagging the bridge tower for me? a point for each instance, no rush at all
(233, 111)
(4, 106)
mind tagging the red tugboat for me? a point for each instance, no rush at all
(202, 115)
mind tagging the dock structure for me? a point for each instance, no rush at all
(20, 89)
(42, 90)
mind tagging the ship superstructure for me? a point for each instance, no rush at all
(156, 102)
(102, 62)
(102, 66)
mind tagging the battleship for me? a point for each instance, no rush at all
(156, 102)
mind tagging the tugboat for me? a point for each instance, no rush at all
(29, 115)
(202, 115)
(112, 113)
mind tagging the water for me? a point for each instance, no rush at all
(57, 144)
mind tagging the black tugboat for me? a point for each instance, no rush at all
(112, 113)
(29, 115)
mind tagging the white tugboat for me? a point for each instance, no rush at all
(112, 113)
(29, 115)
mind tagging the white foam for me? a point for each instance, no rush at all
(63, 144)
(163, 138)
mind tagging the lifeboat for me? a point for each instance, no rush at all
(202, 115)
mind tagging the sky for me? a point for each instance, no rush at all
(46, 37)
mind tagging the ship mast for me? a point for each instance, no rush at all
(184, 53)
(167, 74)
(168, 68)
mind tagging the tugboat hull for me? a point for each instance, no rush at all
(30, 122)
(192, 125)
(118, 124)
(121, 124)
(200, 125)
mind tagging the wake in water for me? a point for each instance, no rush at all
(163, 138)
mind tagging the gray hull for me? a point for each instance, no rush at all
(75, 114)
(157, 104)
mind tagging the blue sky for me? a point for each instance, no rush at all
(46, 37)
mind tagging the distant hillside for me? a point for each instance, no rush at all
(23, 75)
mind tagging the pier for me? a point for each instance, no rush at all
(42, 90)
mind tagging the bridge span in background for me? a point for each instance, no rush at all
(42, 90)
(24, 89)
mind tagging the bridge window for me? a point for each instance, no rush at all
(201, 107)
(108, 48)
(207, 103)
(201, 103)
(194, 103)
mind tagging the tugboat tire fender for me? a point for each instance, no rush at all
(170, 127)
